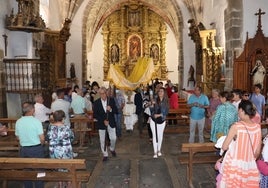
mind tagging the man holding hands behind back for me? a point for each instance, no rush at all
(198, 102)
(103, 110)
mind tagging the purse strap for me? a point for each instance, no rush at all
(249, 138)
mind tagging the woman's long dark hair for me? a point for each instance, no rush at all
(165, 98)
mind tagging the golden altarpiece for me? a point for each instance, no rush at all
(254, 56)
(212, 63)
(209, 58)
(131, 32)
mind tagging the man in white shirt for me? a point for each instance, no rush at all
(61, 104)
(41, 111)
(237, 96)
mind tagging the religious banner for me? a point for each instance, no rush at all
(141, 74)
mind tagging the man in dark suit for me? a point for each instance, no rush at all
(104, 110)
(138, 101)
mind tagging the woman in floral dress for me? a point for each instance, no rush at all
(60, 138)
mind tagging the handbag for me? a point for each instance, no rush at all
(262, 166)
(158, 120)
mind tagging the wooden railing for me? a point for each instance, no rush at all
(26, 75)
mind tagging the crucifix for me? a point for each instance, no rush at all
(5, 40)
(259, 20)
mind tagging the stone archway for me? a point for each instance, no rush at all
(97, 11)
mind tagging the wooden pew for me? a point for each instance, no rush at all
(9, 145)
(9, 122)
(14, 169)
(193, 158)
(181, 114)
(182, 103)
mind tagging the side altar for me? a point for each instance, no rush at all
(251, 66)
(209, 63)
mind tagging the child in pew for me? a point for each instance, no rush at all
(60, 137)
(219, 161)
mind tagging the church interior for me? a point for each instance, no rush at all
(180, 37)
(189, 42)
(50, 44)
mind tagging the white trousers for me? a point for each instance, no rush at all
(160, 132)
(112, 136)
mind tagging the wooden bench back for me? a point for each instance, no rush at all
(180, 111)
(9, 145)
(182, 103)
(22, 163)
(9, 122)
(198, 147)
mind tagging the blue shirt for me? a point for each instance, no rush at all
(198, 113)
(28, 129)
(78, 105)
(258, 101)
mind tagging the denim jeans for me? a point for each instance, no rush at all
(33, 152)
(118, 121)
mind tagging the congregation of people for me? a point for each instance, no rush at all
(233, 118)
(44, 131)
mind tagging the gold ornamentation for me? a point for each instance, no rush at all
(137, 31)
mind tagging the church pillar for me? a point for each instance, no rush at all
(3, 101)
(233, 23)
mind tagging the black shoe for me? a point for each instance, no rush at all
(105, 159)
(113, 153)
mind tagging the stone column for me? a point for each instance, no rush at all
(233, 22)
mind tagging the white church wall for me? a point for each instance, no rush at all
(56, 15)
(95, 60)
(19, 46)
(5, 9)
(213, 18)
(74, 44)
(251, 20)
(172, 56)
(188, 47)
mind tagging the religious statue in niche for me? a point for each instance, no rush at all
(154, 52)
(72, 71)
(191, 75)
(258, 72)
(209, 40)
(223, 66)
(25, 16)
(134, 47)
(133, 18)
(114, 53)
